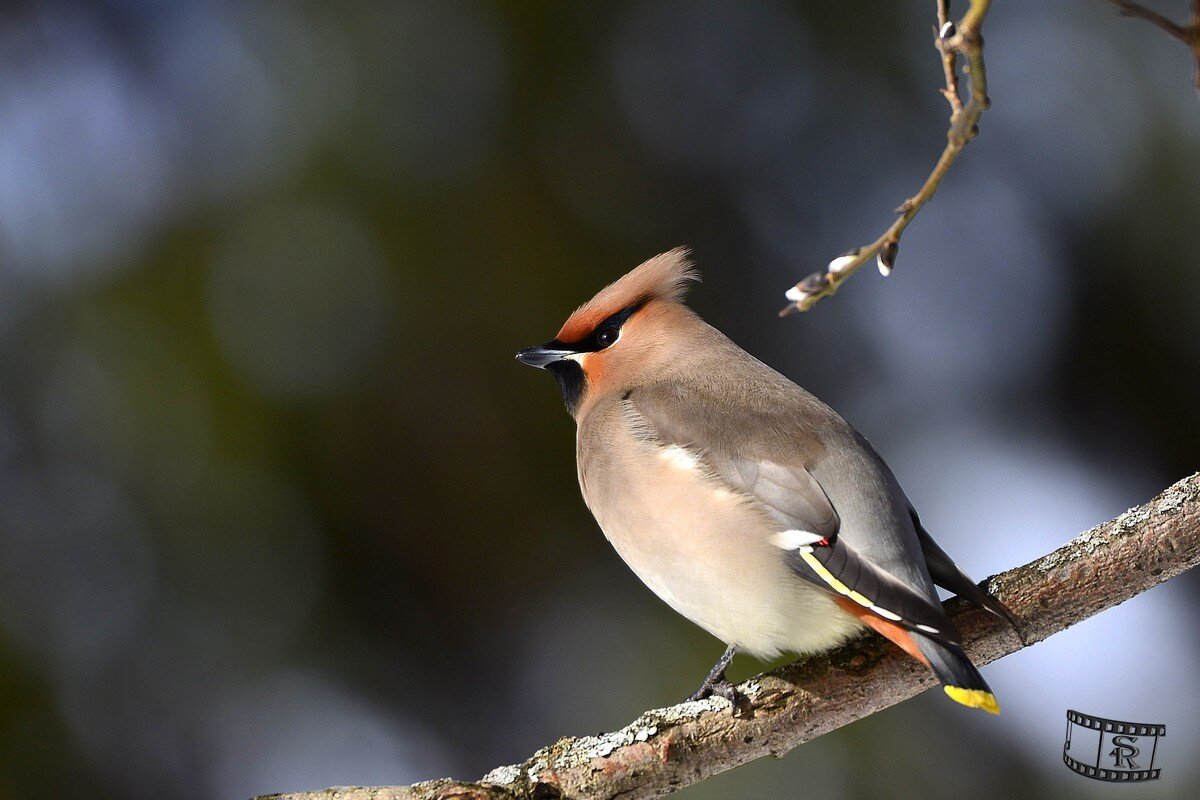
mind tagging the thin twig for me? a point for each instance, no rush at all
(1189, 34)
(949, 57)
(1138, 10)
(952, 40)
(668, 749)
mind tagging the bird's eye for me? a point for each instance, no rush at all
(606, 336)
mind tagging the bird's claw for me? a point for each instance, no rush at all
(722, 688)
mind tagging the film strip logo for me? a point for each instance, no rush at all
(1110, 750)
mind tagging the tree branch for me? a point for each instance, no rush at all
(951, 40)
(668, 749)
(1189, 34)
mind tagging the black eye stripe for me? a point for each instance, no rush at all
(618, 319)
(610, 324)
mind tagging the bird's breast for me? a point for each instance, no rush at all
(701, 546)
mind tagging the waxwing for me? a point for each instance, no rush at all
(744, 502)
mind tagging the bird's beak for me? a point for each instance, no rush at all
(543, 355)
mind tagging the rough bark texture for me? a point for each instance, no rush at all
(667, 749)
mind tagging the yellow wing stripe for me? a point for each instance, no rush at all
(861, 599)
(824, 574)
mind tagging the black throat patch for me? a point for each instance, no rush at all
(571, 381)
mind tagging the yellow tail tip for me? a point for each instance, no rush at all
(975, 698)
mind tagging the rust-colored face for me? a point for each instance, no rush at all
(579, 362)
(605, 335)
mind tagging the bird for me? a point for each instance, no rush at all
(745, 503)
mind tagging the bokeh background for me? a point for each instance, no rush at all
(279, 511)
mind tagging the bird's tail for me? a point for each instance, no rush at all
(945, 659)
(960, 679)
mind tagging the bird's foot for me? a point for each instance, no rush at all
(716, 683)
(738, 702)
(721, 688)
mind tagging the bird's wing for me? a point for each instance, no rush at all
(782, 486)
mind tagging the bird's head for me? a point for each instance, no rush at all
(619, 336)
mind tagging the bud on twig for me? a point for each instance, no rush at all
(817, 282)
(844, 260)
(956, 46)
(813, 284)
(887, 257)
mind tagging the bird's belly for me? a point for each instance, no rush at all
(706, 551)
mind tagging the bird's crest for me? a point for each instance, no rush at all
(664, 277)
